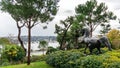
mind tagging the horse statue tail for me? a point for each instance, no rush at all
(104, 40)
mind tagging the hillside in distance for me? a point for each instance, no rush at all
(39, 38)
(33, 38)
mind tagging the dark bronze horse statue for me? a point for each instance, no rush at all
(92, 42)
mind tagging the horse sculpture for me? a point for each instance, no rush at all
(92, 42)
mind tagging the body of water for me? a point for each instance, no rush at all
(35, 49)
(34, 45)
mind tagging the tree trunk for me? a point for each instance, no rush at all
(20, 40)
(43, 51)
(19, 34)
(29, 43)
(76, 39)
(63, 38)
(91, 30)
(76, 42)
(62, 41)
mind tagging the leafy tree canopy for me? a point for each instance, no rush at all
(105, 28)
(30, 12)
(35, 10)
(93, 14)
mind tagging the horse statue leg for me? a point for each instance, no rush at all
(86, 48)
(91, 47)
(108, 45)
(105, 41)
(98, 46)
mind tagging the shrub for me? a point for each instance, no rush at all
(114, 65)
(4, 62)
(76, 59)
(116, 44)
(36, 58)
(114, 37)
(51, 49)
(13, 53)
(4, 41)
(91, 62)
(63, 59)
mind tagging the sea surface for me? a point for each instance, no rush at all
(36, 50)
(34, 47)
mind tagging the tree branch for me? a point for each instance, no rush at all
(96, 26)
(34, 23)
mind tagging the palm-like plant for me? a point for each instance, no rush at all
(43, 44)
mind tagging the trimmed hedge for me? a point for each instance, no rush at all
(76, 59)
(63, 59)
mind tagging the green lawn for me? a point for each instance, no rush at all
(32, 65)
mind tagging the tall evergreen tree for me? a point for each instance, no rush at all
(94, 14)
(30, 12)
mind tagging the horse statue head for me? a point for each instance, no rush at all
(85, 34)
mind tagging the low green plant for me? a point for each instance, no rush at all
(76, 59)
(91, 62)
(114, 65)
(51, 49)
(63, 59)
(37, 58)
(4, 62)
(13, 53)
(41, 64)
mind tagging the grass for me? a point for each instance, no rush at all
(32, 65)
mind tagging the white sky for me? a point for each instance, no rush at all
(8, 25)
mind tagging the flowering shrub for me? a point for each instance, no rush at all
(114, 37)
(13, 52)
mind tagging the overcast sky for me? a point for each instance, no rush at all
(8, 25)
